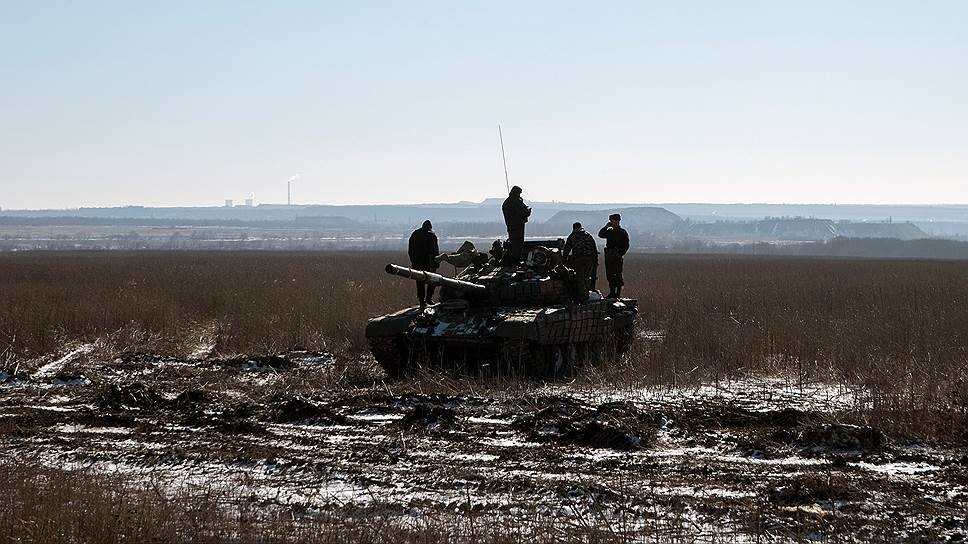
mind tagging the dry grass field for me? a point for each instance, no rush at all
(897, 327)
(230, 396)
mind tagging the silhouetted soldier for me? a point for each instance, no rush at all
(616, 246)
(516, 214)
(496, 252)
(581, 254)
(423, 251)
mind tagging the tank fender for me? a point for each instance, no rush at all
(391, 325)
(622, 319)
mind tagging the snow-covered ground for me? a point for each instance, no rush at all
(767, 456)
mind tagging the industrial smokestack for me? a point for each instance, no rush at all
(289, 189)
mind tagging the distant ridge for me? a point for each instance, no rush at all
(642, 218)
(799, 229)
(940, 220)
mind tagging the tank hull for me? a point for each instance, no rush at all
(502, 339)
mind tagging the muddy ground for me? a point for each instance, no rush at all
(729, 462)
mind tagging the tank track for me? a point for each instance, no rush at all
(391, 354)
(510, 359)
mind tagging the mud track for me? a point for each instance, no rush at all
(748, 458)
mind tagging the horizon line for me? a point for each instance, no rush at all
(431, 204)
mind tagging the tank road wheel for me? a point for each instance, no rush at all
(559, 360)
(521, 358)
(423, 353)
(620, 341)
(514, 359)
(598, 351)
(391, 354)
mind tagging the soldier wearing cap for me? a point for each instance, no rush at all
(516, 214)
(616, 246)
(423, 251)
(581, 255)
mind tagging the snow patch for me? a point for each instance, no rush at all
(900, 468)
(53, 367)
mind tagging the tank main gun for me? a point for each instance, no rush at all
(431, 278)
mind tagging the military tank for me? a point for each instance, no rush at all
(524, 319)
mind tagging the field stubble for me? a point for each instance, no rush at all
(149, 363)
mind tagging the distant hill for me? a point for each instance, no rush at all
(799, 229)
(643, 218)
(901, 231)
(837, 212)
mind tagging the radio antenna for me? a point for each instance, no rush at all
(507, 183)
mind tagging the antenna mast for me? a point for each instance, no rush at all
(507, 182)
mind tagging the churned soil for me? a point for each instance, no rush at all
(736, 459)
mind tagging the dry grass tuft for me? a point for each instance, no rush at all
(50, 506)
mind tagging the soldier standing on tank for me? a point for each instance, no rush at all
(516, 214)
(423, 251)
(616, 246)
(581, 254)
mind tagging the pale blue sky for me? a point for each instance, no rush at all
(189, 103)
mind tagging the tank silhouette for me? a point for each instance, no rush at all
(525, 319)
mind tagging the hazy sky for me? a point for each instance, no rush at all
(189, 103)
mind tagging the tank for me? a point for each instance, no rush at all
(527, 319)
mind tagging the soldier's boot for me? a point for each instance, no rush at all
(618, 292)
(611, 292)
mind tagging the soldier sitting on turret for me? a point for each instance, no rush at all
(466, 255)
(496, 252)
(580, 255)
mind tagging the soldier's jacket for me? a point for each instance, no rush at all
(616, 240)
(516, 212)
(422, 249)
(580, 244)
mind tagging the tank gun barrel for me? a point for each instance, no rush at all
(436, 279)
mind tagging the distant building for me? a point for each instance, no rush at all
(249, 202)
(229, 203)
